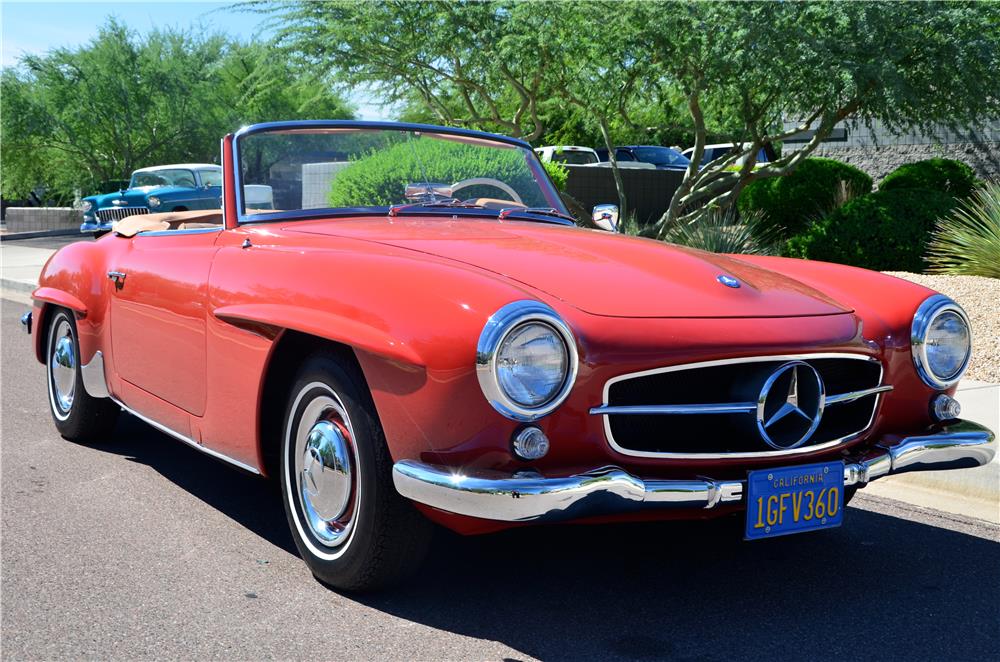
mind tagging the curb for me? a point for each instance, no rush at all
(23, 287)
(67, 232)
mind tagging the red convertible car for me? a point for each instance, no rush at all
(418, 333)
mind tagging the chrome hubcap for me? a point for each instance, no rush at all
(325, 470)
(62, 366)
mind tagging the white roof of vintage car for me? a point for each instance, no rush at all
(185, 166)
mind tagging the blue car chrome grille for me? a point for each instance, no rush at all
(111, 214)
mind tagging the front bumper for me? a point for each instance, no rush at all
(529, 497)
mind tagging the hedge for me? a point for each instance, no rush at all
(945, 175)
(789, 202)
(885, 231)
(380, 177)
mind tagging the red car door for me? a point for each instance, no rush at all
(158, 323)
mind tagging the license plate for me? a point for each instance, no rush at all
(794, 499)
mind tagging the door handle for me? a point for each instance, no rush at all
(118, 277)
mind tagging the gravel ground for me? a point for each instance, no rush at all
(980, 297)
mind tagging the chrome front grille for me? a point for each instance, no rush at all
(711, 409)
(112, 214)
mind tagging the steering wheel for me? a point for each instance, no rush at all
(487, 181)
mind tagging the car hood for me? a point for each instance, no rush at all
(132, 196)
(597, 272)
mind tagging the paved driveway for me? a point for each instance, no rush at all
(139, 547)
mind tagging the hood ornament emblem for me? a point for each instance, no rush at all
(790, 405)
(119, 202)
(728, 281)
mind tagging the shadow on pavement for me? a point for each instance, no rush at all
(879, 587)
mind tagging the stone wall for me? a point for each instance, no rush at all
(983, 157)
(36, 219)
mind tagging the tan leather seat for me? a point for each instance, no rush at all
(171, 220)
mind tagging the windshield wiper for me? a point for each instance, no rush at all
(451, 203)
(507, 212)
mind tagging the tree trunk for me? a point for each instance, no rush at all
(619, 183)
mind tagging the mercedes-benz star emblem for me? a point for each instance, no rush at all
(790, 405)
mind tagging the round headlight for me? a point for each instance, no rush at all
(526, 360)
(154, 201)
(941, 342)
(86, 205)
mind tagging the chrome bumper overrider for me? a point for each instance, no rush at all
(610, 490)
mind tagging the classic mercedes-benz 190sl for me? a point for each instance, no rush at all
(418, 333)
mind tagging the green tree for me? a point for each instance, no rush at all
(73, 118)
(821, 62)
(478, 64)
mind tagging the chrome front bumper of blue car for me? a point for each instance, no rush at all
(530, 497)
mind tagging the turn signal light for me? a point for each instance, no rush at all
(530, 444)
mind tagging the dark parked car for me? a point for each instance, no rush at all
(663, 158)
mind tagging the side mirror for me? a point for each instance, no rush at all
(606, 217)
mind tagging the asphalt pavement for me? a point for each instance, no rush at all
(138, 547)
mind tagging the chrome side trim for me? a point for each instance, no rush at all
(747, 359)
(721, 408)
(94, 380)
(857, 395)
(176, 233)
(187, 440)
(613, 491)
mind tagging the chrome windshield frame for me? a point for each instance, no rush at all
(548, 188)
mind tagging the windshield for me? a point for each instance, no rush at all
(372, 169)
(166, 177)
(574, 157)
(661, 156)
(211, 177)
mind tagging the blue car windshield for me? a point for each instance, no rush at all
(166, 177)
(661, 156)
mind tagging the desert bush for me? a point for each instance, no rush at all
(886, 231)
(725, 231)
(558, 173)
(379, 177)
(945, 175)
(789, 202)
(967, 241)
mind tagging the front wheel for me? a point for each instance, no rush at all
(352, 528)
(77, 415)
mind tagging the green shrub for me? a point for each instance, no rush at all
(723, 231)
(945, 175)
(815, 187)
(379, 177)
(968, 240)
(886, 231)
(558, 173)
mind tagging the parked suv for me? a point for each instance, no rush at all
(568, 154)
(661, 158)
(713, 152)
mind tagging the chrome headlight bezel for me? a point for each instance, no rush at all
(932, 308)
(86, 206)
(153, 202)
(498, 327)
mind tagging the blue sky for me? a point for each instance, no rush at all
(37, 27)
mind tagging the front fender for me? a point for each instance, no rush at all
(74, 278)
(332, 325)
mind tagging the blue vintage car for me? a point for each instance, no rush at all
(177, 187)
